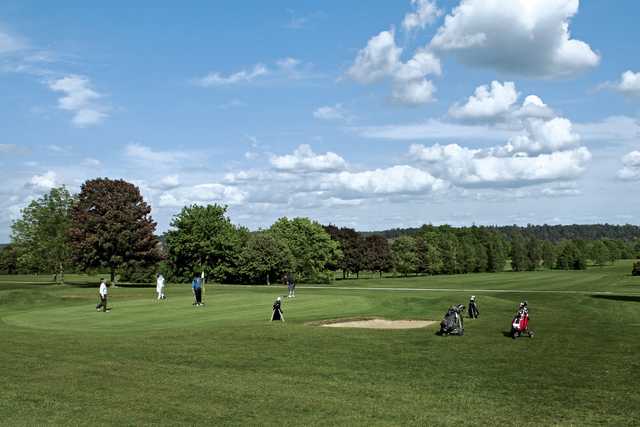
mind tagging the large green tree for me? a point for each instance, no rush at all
(496, 251)
(312, 248)
(519, 256)
(264, 258)
(378, 254)
(449, 252)
(203, 239)
(41, 235)
(534, 253)
(405, 255)
(570, 257)
(599, 253)
(112, 227)
(353, 249)
(548, 254)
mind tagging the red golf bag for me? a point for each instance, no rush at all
(520, 324)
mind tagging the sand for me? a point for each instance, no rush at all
(379, 324)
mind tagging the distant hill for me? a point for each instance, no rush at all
(554, 233)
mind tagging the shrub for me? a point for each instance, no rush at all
(138, 274)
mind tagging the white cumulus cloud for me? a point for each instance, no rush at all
(534, 107)
(381, 59)
(377, 60)
(80, 99)
(303, 159)
(629, 83)
(487, 102)
(425, 13)
(521, 37)
(44, 182)
(202, 194)
(400, 179)
(480, 168)
(630, 166)
(544, 137)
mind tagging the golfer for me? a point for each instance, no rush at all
(276, 314)
(196, 286)
(291, 285)
(160, 286)
(103, 296)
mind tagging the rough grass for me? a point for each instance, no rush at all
(61, 362)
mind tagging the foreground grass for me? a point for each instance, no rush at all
(171, 363)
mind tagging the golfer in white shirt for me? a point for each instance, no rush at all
(103, 296)
(160, 286)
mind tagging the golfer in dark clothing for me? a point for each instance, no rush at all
(196, 286)
(277, 310)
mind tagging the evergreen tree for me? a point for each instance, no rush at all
(448, 248)
(548, 254)
(599, 253)
(519, 256)
(468, 259)
(482, 258)
(534, 253)
(496, 252)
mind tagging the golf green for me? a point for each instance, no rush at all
(168, 362)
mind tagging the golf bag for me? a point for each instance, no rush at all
(277, 311)
(452, 324)
(474, 312)
(520, 323)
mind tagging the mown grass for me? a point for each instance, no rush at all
(145, 362)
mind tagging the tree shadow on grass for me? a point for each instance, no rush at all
(628, 298)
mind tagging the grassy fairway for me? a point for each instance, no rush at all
(145, 362)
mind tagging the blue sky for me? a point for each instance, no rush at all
(372, 116)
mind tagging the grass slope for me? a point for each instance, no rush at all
(170, 363)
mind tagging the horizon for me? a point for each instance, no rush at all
(457, 112)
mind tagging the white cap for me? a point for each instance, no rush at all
(278, 299)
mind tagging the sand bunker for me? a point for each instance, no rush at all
(379, 324)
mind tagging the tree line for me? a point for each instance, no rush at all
(553, 233)
(108, 227)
